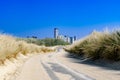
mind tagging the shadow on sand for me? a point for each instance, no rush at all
(99, 63)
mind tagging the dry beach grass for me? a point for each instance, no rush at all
(10, 47)
(98, 45)
(14, 53)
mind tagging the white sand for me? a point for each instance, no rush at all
(33, 70)
(95, 72)
(11, 69)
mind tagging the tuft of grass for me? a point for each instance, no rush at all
(10, 47)
(98, 45)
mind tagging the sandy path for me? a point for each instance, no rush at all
(32, 70)
(56, 66)
(47, 67)
(95, 72)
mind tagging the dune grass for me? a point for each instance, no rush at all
(98, 45)
(10, 47)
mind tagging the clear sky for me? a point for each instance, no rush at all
(72, 17)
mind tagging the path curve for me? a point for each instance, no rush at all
(47, 67)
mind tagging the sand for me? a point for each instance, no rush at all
(12, 67)
(32, 70)
(96, 72)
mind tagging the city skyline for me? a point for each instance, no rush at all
(64, 37)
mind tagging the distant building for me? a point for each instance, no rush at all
(35, 37)
(56, 33)
(64, 38)
(67, 39)
(60, 37)
(71, 40)
(75, 38)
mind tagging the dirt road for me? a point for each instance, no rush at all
(56, 66)
(47, 67)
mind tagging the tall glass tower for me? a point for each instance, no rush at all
(56, 33)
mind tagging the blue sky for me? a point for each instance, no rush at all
(73, 17)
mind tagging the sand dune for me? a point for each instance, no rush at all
(11, 68)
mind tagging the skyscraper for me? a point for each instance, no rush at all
(71, 40)
(75, 38)
(56, 33)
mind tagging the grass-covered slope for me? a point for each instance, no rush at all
(98, 45)
(10, 47)
(45, 42)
